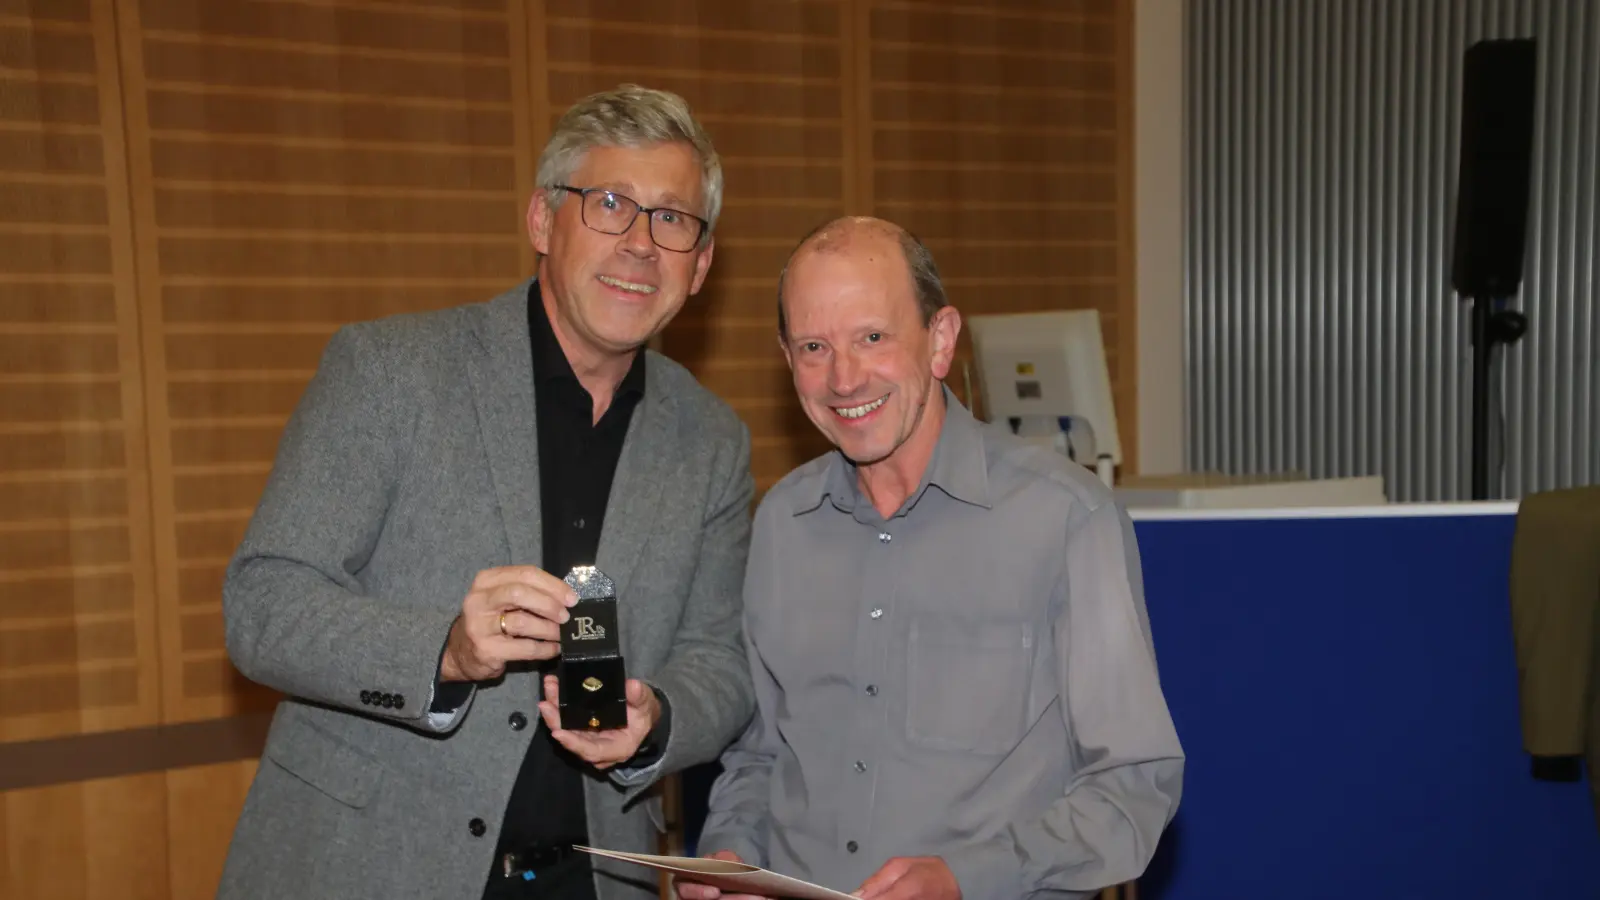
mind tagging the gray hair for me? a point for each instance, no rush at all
(629, 116)
(926, 285)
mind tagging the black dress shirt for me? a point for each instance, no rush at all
(577, 463)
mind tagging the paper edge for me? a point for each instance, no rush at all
(657, 861)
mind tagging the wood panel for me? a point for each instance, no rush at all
(767, 79)
(1000, 135)
(94, 840)
(195, 193)
(203, 803)
(296, 166)
(153, 836)
(78, 647)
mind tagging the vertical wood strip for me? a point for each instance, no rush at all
(157, 421)
(130, 362)
(855, 89)
(530, 104)
(860, 19)
(1126, 377)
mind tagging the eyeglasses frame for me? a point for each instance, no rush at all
(648, 211)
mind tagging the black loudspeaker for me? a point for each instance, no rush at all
(1498, 87)
(1497, 107)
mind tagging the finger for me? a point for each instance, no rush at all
(636, 691)
(498, 648)
(917, 884)
(508, 649)
(550, 712)
(904, 889)
(530, 599)
(693, 890)
(533, 576)
(883, 879)
(520, 624)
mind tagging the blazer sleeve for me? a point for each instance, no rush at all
(297, 616)
(706, 678)
(739, 808)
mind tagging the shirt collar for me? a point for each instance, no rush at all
(959, 468)
(550, 361)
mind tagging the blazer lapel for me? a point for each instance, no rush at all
(649, 457)
(502, 387)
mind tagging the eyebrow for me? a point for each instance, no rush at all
(621, 187)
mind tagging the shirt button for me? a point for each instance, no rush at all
(876, 613)
(577, 523)
(860, 766)
(852, 846)
(885, 536)
(872, 690)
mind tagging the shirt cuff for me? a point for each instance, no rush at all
(987, 871)
(450, 698)
(645, 760)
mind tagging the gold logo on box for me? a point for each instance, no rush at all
(587, 629)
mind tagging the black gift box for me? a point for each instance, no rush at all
(593, 677)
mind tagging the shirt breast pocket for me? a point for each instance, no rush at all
(967, 683)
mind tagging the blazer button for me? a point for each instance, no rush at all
(518, 721)
(385, 701)
(852, 846)
(366, 697)
(477, 827)
(399, 701)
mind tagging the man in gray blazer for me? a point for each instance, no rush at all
(402, 579)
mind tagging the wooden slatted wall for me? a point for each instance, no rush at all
(77, 600)
(767, 78)
(1001, 135)
(296, 166)
(195, 193)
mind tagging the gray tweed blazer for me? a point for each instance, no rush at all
(409, 465)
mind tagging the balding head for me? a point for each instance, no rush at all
(868, 337)
(867, 236)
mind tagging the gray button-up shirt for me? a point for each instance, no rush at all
(972, 678)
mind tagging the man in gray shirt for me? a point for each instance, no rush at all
(957, 694)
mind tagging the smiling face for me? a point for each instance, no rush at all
(865, 366)
(610, 293)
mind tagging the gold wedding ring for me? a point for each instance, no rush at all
(503, 630)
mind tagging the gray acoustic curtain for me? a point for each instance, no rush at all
(1322, 335)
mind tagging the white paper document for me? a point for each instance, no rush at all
(730, 877)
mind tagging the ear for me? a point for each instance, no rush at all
(788, 357)
(702, 265)
(944, 328)
(540, 218)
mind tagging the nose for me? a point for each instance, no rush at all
(636, 239)
(845, 375)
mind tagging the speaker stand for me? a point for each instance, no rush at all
(1490, 326)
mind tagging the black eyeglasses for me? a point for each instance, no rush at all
(609, 212)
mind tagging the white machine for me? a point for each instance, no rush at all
(1046, 374)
